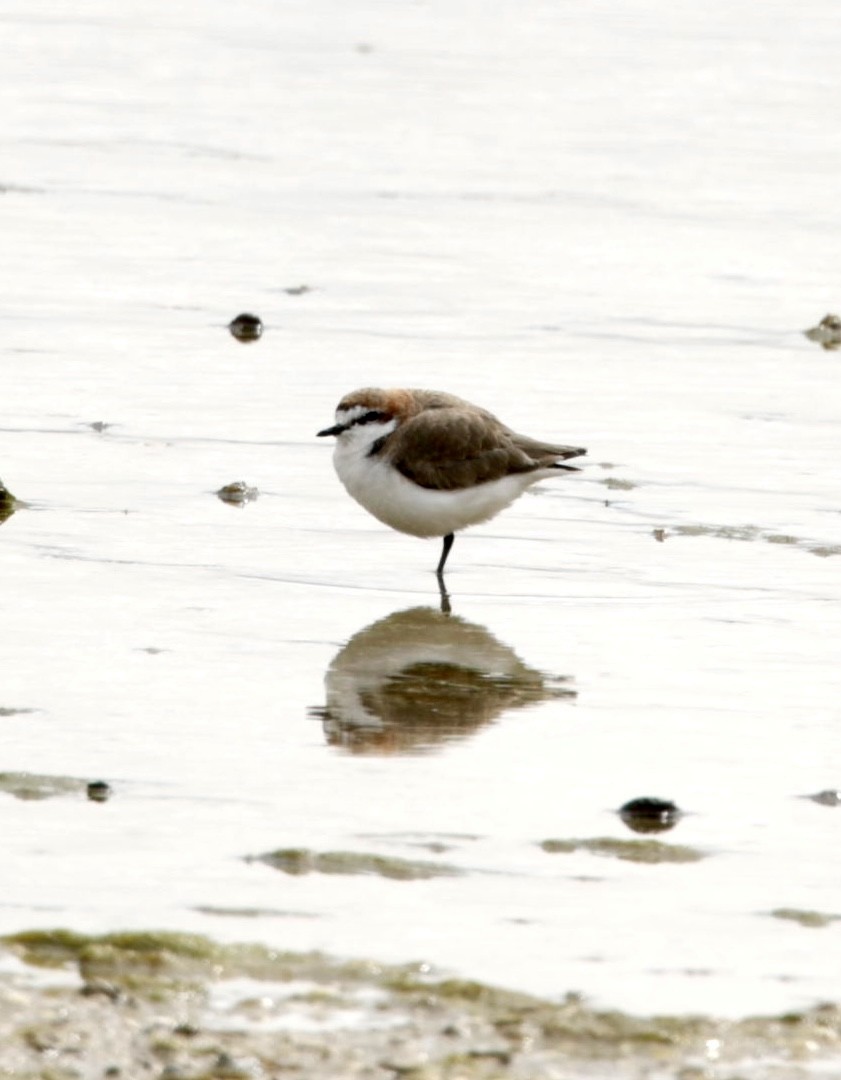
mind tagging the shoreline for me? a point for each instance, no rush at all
(180, 1007)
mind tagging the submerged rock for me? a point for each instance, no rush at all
(647, 815)
(238, 493)
(827, 333)
(830, 797)
(246, 327)
(8, 503)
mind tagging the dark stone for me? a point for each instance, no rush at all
(646, 815)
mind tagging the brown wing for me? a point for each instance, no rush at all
(451, 448)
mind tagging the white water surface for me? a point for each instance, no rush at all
(606, 222)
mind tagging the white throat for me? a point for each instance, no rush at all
(358, 440)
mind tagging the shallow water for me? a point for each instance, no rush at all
(608, 226)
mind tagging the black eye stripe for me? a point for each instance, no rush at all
(370, 417)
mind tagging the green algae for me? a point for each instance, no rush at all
(254, 912)
(299, 861)
(47, 948)
(460, 1027)
(754, 533)
(34, 786)
(721, 532)
(413, 981)
(812, 919)
(640, 851)
(155, 964)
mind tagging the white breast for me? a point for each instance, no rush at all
(401, 504)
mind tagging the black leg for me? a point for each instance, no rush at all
(445, 551)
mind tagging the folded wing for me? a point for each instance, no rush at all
(449, 449)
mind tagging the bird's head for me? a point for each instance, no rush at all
(364, 416)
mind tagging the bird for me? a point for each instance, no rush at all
(428, 463)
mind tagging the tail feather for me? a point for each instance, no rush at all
(546, 453)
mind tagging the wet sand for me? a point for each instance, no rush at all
(231, 705)
(177, 1006)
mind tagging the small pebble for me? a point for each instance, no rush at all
(8, 503)
(399, 1069)
(827, 333)
(405, 1061)
(646, 815)
(228, 1067)
(173, 1072)
(298, 290)
(830, 797)
(246, 327)
(101, 988)
(99, 791)
(238, 493)
(501, 1055)
(659, 535)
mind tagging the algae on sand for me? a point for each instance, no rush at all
(814, 920)
(35, 786)
(303, 861)
(458, 1026)
(641, 851)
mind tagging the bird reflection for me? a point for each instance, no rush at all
(420, 678)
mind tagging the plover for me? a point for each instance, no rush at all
(429, 464)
